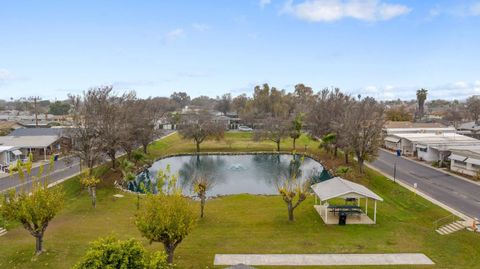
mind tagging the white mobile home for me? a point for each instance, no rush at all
(430, 147)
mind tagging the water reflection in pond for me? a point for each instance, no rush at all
(233, 174)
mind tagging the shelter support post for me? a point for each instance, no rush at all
(366, 206)
(45, 154)
(326, 214)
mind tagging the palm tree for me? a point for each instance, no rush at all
(296, 131)
(327, 141)
(421, 97)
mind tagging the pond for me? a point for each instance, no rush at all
(234, 174)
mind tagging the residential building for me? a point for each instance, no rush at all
(38, 141)
(465, 161)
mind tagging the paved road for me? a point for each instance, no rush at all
(450, 190)
(62, 169)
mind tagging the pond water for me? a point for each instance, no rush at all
(234, 174)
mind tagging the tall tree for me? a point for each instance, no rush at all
(327, 114)
(199, 127)
(109, 119)
(224, 103)
(362, 127)
(239, 102)
(421, 97)
(304, 98)
(473, 107)
(86, 139)
(181, 99)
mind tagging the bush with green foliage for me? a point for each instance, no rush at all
(110, 252)
(167, 219)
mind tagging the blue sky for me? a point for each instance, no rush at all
(385, 49)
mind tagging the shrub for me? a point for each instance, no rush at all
(110, 252)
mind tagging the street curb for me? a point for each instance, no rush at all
(423, 195)
(435, 168)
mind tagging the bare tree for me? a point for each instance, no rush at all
(362, 128)
(326, 115)
(85, 137)
(109, 119)
(473, 107)
(273, 129)
(199, 127)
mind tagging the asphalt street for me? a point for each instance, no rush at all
(453, 191)
(61, 170)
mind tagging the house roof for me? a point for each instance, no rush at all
(338, 187)
(7, 148)
(37, 132)
(471, 126)
(468, 156)
(439, 139)
(408, 124)
(28, 141)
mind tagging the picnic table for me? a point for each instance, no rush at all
(348, 209)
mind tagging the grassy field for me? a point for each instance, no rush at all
(247, 223)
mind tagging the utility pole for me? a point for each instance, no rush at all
(35, 99)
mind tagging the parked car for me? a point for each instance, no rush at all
(244, 128)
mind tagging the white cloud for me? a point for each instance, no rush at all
(201, 27)
(5, 76)
(475, 9)
(174, 35)
(457, 10)
(459, 90)
(264, 3)
(334, 10)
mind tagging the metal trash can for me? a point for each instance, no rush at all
(342, 218)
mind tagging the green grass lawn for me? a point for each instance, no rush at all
(247, 223)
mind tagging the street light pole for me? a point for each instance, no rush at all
(399, 153)
(394, 170)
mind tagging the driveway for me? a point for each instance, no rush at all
(454, 192)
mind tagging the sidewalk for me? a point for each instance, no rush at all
(425, 196)
(322, 259)
(436, 168)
